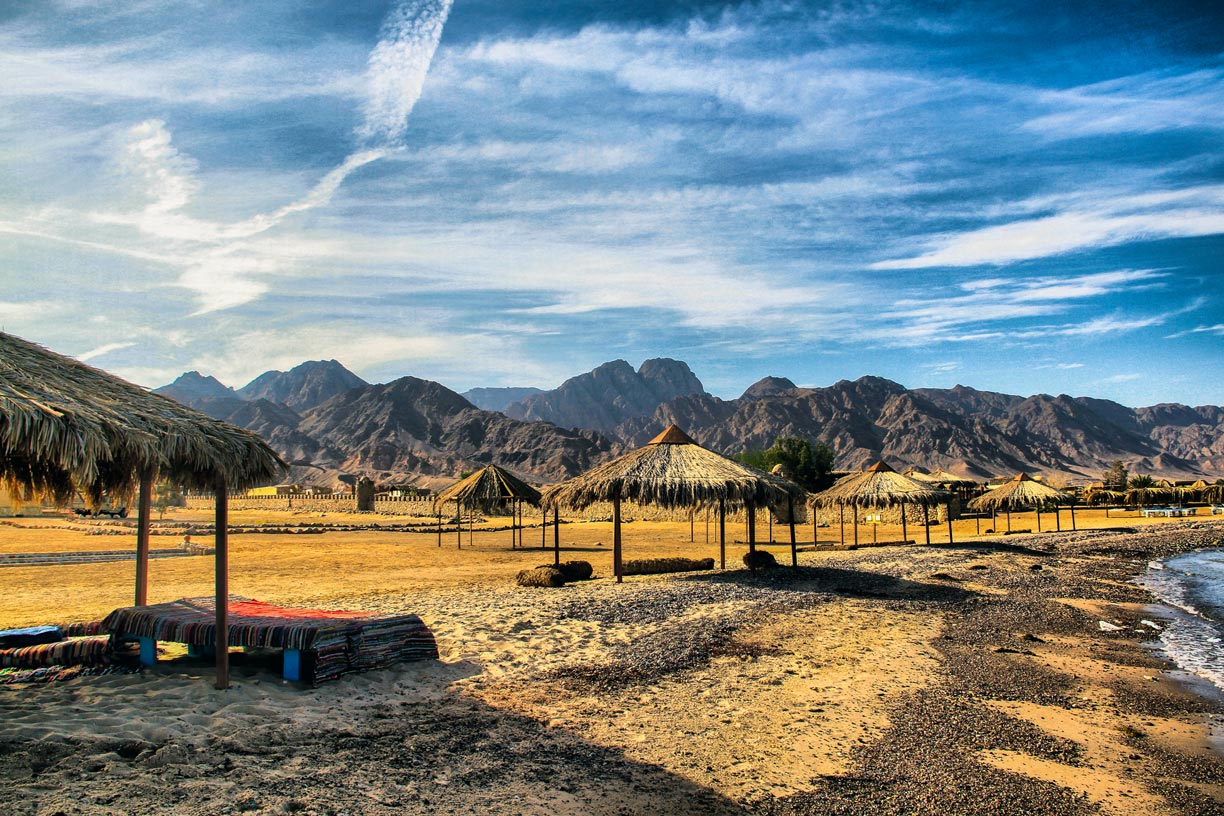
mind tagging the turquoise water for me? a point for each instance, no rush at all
(1192, 584)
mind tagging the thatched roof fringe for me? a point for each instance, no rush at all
(671, 472)
(878, 486)
(1021, 491)
(85, 427)
(489, 485)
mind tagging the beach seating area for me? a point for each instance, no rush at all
(1169, 512)
(318, 645)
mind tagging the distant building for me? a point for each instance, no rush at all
(275, 490)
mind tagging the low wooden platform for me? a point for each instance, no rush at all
(318, 644)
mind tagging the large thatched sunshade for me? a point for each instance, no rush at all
(674, 471)
(65, 425)
(488, 487)
(1023, 492)
(881, 486)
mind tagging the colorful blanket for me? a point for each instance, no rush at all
(86, 651)
(332, 641)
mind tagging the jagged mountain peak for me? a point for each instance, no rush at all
(304, 386)
(768, 387)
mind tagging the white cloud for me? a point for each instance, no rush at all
(398, 65)
(1169, 214)
(102, 351)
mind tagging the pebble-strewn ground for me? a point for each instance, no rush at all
(972, 679)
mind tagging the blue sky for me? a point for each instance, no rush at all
(1007, 196)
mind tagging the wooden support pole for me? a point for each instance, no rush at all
(854, 506)
(1072, 515)
(557, 532)
(904, 534)
(926, 522)
(1058, 518)
(616, 539)
(1008, 519)
(722, 533)
(750, 510)
(950, 521)
(815, 527)
(221, 592)
(692, 532)
(543, 527)
(439, 512)
(841, 510)
(144, 506)
(790, 511)
(1039, 518)
(458, 526)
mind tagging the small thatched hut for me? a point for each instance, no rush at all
(881, 486)
(66, 426)
(674, 471)
(1023, 492)
(489, 488)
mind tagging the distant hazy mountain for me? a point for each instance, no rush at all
(609, 395)
(304, 386)
(193, 387)
(496, 399)
(974, 433)
(411, 427)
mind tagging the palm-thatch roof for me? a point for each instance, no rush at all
(489, 486)
(674, 471)
(949, 479)
(1021, 491)
(878, 486)
(64, 423)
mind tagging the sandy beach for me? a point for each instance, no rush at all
(972, 678)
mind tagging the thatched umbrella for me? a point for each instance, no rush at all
(881, 486)
(490, 486)
(674, 471)
(1023, 492)
(66, 425)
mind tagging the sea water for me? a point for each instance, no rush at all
(1192, 584)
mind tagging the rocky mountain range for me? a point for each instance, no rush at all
(327, 422)
(611, 394)
(408, 431)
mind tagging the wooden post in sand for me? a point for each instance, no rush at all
(707, 521)
(1008, 519)
(472, 526)
(950, 521)
(904, 534)
(557, 532)
(458, 526)
(1058, 518)
(692, 534)
(1039, 517)
(751, 512)
(815, 528)
(616, 539)
(841, 509)
(855, 508)
(221, 593)
(1073, 514)
(926, 522)
(439, 527)
(722, 533)
(143, 512)
(790, 514)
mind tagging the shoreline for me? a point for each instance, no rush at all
(954, 680)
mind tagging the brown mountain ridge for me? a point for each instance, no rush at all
(411, 428)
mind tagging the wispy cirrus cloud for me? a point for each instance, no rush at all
(1170, 214)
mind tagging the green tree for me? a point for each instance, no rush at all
(167, 495)
(1117, 476)
(1142, 481)
(807, 464)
